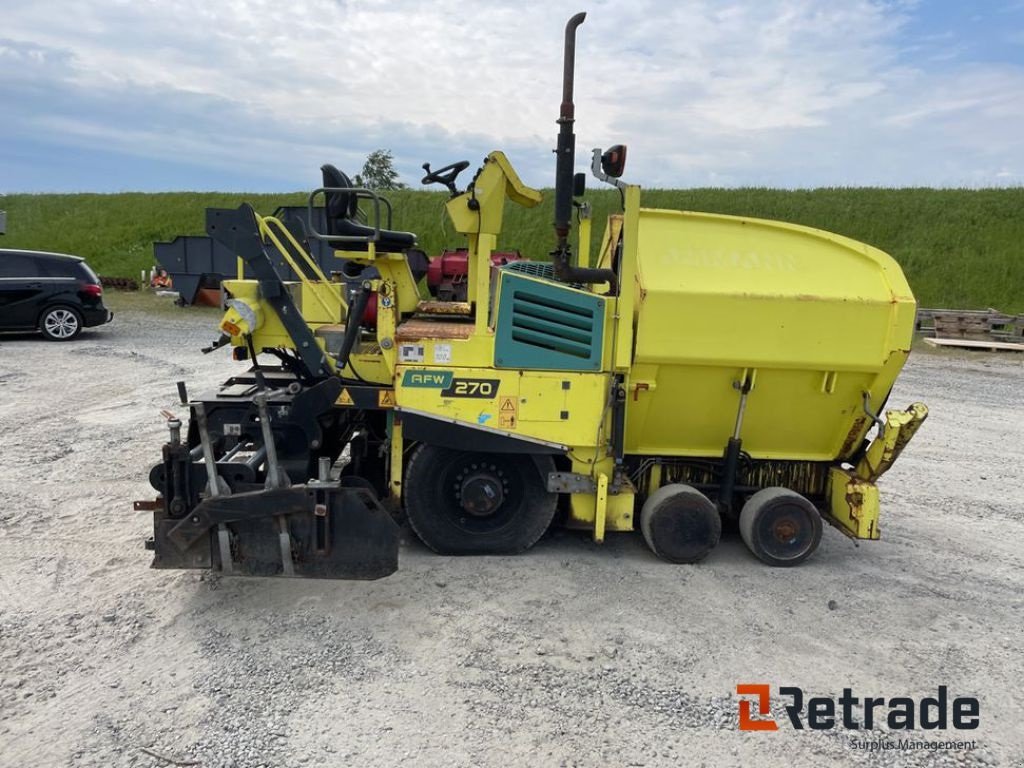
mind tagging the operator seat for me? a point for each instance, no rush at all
(340, 212)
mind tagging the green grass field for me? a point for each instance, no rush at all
(959, 248)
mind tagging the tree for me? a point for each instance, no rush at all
(379, 171)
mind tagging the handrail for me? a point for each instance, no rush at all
(298, 246)
(361, 194)
(265, 223)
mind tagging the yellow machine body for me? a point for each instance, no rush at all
(815, 320)
(692, 368)
(814, 326)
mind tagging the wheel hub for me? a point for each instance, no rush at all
(481, 494)
(785, 530)
(61, 323)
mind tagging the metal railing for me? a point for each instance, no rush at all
(361, 193)
(267, 226)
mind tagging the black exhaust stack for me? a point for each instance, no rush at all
(565, 162)
(566, 151)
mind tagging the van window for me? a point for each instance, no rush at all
(18, 265)
(84, 269)
(61, 268)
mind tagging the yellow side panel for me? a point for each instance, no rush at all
(810, 415)
(821, 319)
(554, 407)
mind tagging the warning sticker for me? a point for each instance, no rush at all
(411, 353)
(344, 398)
(386, 398)
(508, 412)
(442, 353)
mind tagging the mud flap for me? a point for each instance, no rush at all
(318, 530)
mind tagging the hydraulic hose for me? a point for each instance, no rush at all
(352, 321)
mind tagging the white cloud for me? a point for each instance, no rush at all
(784, 92)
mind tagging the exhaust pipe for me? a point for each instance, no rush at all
(565, 162)
(565, 154)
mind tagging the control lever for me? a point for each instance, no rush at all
(224, 339)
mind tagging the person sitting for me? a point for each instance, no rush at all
(160, 279)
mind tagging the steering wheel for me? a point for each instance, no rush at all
(445, 175)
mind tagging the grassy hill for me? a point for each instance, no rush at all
(959, 248)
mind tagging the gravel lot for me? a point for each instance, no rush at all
(573, 654)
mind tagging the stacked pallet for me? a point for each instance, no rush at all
(976, 329)
(120, 283)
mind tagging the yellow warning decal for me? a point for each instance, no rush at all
(386, 398)
(344, 398)
(508, 412)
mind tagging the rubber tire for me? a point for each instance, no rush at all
(766, 501)
(425, 479)
(60, 308)
(680, 524)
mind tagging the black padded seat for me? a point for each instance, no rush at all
(341, 211)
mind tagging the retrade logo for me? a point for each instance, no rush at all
(851, 712)
(764, 708)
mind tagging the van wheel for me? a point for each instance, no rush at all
(60, 323)
(780, 527)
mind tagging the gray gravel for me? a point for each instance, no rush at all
(574, 654)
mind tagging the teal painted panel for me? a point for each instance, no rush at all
(547, 326)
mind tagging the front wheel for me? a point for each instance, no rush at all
(472, 503)
(60, 323)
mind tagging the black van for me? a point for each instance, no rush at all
(52, 292)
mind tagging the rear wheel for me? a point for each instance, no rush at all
(780, 527)
(471, 503)
(680, 524)
(60, 323)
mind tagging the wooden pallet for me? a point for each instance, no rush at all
(121, 283)
(976, 324)
(991, 346)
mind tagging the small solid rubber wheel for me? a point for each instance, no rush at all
(60, 323)
(780, 527)
(471, 503)
(680, 524)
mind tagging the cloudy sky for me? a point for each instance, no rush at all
(254, 95)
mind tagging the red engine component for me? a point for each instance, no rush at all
(370, 314)
(447, 273)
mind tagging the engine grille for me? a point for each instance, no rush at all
(547, 326)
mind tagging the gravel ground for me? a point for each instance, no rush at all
(574, 654)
